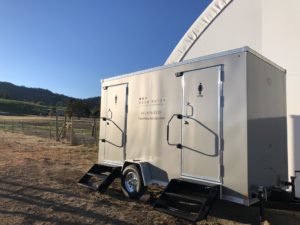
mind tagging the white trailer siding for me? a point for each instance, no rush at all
(270, 27)
(154, 96)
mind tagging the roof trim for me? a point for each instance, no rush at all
(206, 18)
(201, 58)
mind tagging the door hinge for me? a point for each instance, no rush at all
(124, 139)
(222, 144)
(179, 74)
(222, 171)
(222, 101)
(222, 74)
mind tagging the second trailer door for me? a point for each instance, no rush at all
(202, 124)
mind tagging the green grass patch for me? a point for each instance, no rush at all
(21, 108)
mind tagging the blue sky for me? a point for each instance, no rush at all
(68, 46)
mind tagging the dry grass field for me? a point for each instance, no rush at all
(38, 186)
(84, 130)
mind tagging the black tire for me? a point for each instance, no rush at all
(132, 183)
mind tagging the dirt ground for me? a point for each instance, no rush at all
(38, 186)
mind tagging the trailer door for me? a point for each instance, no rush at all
(115, 124)
(202, 124)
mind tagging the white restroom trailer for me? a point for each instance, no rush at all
(215, 120)
(271, 28)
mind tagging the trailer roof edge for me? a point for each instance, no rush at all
(201, 58)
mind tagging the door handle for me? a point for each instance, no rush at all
(186, 122)
(189, 110)
(109, 114)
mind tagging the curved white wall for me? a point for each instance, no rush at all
(237, 26)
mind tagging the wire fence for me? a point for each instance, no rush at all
(76, 131)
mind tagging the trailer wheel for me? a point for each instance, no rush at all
(132, 182)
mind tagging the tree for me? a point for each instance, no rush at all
(52, 111)
(77, 108)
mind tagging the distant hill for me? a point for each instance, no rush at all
(36, 95)
(23, 100)
(20, 108)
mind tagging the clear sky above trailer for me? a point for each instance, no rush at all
(68, 46)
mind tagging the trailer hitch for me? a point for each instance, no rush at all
(292, 185)
(262, 196)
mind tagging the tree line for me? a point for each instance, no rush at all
(80, 108)
(56, 103)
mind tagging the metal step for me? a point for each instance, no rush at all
(91, 186)
(179, 213)
(187, 200)
(100, 176)
(116, 172)
(103, 174)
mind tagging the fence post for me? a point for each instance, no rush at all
(93, 128)
(73, 138)
(56, 125)
(50, 126)
(64, 135)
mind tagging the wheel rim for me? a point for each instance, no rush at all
(131, 182)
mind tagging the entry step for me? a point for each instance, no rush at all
(99, 177)
(187, 200)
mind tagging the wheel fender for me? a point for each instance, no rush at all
(144, 168)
